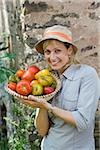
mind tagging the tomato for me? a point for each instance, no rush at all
(20, 73)
(23, 87)
(34, 82)
(48, 90)
(34, 69)
(12, 86)
(13, 78)
(28, 75)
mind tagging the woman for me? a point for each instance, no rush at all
(67, 123)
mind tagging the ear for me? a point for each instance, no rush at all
(70, 50)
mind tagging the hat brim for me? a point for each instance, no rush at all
(39, 45)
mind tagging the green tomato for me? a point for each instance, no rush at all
(13, 78)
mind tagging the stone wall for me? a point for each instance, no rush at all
(81, 16)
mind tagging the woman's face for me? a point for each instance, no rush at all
(57, 54)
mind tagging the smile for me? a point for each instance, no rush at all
(54, 64)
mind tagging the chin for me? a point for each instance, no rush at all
(55, 68)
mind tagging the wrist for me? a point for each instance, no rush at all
(43, 109)
(50, 110)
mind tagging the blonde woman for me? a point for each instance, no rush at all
(67, 123)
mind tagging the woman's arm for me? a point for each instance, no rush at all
(64, 115)
(42, 121)
(87, 104)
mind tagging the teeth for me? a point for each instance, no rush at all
(55, 63)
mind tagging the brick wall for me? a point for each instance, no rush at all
(82, 17)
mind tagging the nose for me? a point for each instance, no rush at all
(52, 56)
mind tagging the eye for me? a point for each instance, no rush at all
(47, 52)
(57, 51)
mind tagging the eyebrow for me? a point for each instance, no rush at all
(53, 49)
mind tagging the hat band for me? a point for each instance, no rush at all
(61, 35)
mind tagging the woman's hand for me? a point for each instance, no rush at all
(35, 102)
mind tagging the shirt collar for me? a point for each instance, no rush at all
(69, 73)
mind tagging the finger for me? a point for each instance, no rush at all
(34, 98)
(28, 103)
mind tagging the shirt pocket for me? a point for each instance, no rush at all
(70, 96)
(70, 102)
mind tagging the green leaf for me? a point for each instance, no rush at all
(5, 73)
(3, 76)
(10, 121)
(8, 70)
(9, 55)
(8, 73)
(1, 63)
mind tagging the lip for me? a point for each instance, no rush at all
(54, 64)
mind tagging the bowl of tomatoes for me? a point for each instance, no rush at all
(33, 81)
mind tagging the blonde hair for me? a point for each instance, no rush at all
(46, 43)
(73, 59)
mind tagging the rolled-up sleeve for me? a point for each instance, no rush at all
(87, 101)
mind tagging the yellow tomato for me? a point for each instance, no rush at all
(42, 73)
(34, 82)
(46, 80)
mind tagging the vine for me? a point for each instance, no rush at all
(25, 135)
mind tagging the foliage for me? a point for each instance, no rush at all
(5, 56)
(25, 135)
(5, 72)
(4, 144)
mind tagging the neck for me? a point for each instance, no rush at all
(64, 68)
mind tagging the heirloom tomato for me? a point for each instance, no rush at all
(34, 69)
(28, 75)
(12, 86)
(23, 87)
(20, 73)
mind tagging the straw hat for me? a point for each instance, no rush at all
(57, 32)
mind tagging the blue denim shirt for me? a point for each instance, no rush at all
(79, 94)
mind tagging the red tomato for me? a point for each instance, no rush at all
(48, 90)
(23, 87)
(20, 73)
(28, 75)
(34, 69)
(12, 86)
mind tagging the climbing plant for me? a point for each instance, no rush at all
(25, 135)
